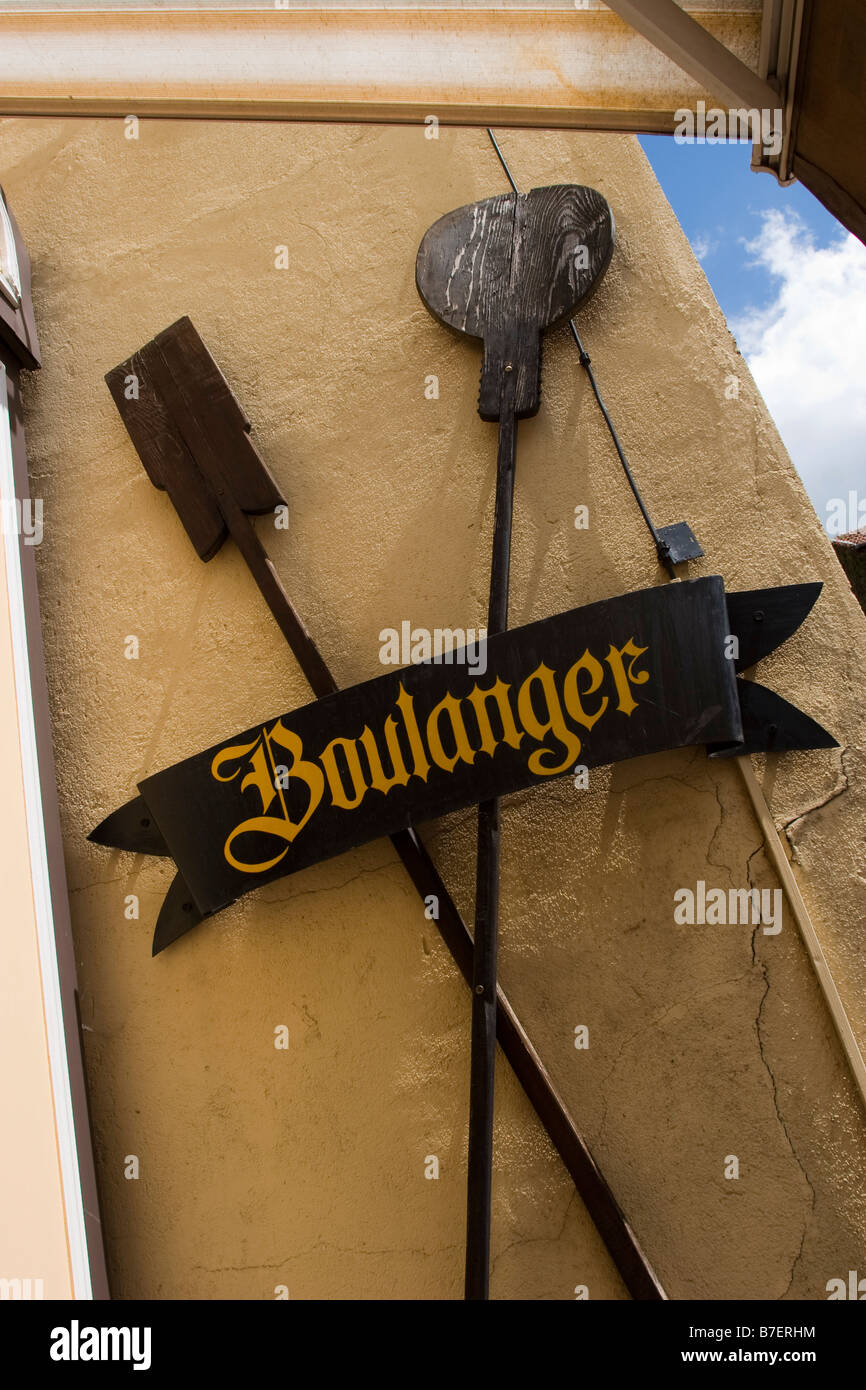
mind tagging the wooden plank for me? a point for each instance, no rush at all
(697, 51)
(563, 67)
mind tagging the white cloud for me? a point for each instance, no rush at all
(807, 352)
(704, 246)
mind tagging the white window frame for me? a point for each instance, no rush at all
(10, 274)
(64, 1122)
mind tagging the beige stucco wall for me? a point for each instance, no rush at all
(306, 1168)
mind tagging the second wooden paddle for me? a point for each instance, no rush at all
(504, 270)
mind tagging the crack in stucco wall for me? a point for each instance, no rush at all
(840, 789)
(761, 965)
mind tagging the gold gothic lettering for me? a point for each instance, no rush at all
(454, 731)
(262, 778)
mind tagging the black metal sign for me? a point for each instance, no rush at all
(637, 674)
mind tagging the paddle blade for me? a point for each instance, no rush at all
(191, 434)
(506, 269)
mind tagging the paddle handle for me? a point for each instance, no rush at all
(497, 611)
(290, 623)
(483, 1061)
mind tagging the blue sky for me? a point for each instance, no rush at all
(719, 202)
(792, 284)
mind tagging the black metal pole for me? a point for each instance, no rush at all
(483, 1063)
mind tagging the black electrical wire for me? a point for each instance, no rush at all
(662, 548)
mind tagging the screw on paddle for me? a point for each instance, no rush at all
(192, 438)
(503, 271)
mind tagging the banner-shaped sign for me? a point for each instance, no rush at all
(646, 672)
